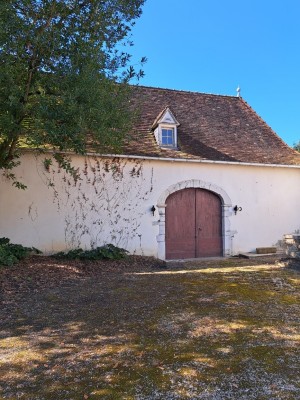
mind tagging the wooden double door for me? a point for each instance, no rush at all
(193, 224)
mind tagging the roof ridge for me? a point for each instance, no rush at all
(186, 91)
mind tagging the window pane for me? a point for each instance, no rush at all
(167, 137)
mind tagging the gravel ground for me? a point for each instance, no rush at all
(138, 329)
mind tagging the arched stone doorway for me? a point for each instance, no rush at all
(193, 224)
(210, 194)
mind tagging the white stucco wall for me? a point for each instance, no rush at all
(112, 202)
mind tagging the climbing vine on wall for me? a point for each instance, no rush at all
(103, 202)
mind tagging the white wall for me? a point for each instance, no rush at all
(111, 204)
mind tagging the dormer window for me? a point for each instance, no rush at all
(165, 129)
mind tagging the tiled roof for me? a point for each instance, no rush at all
(212, 127)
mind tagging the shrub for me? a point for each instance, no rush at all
(12, 253)
(107, 252)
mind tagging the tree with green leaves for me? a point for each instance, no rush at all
(64, 75)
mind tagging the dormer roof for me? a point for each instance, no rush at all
(165, 117)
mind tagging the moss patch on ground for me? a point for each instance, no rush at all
(226, 329)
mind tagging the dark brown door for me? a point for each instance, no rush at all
(193, 224)
(180, 225)
(208, 224)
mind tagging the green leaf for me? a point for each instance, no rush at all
(64, 76)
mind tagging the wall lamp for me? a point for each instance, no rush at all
(153, 210)
(236, 209)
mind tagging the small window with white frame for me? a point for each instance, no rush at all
(167, 137)
(165, 129)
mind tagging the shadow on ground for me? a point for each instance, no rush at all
(134, 330)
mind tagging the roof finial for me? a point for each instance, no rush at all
(238, 90)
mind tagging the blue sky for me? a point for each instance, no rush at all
(212, 46)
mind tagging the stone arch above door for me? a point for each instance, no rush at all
(194, 183)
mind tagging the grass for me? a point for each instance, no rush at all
(219, 330)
